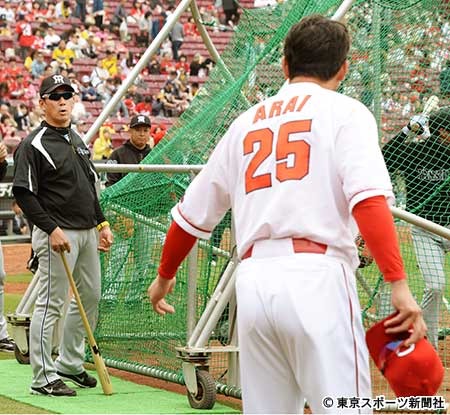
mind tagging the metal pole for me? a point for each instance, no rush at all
(154, 46)
(421, 222)
(210, 45)
(181, 168)
(211, 305)
(147, 168)
(219, 303)
(343, 8)
(191, 312)
(377, 90)
(205, 36)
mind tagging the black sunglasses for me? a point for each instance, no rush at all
(56, 96)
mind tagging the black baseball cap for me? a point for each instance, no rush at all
(52, 82)
(140, 119)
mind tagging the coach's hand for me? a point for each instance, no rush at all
(105, 238)
(158, 289)
(59, 241)
(409, 317)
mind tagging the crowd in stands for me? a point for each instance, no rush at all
(96, 45)
(410, 62)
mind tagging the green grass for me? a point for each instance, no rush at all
(9, 406)
(25, 277)
(11, 302)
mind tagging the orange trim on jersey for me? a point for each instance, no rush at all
(366, 190)
(377, 228)
(190, 223)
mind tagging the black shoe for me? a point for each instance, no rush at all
(55, 388)
(83, 380)
(7, 345)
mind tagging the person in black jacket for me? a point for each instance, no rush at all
(422, 162)
(55, 186)
(135, 149)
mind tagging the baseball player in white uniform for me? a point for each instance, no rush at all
(298, 170)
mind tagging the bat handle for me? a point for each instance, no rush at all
(98, 360)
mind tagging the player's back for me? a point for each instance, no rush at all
(298, 164)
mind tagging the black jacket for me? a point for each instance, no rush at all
(54, 180)
(125, 154)
(424, 168)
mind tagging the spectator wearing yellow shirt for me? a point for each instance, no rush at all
(63, 56)
(110, 63)
(4, 29)
(103, 147)
(29, 59)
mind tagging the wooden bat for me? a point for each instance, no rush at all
(99, 363)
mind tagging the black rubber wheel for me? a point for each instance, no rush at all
(206, 393)
(22, 358)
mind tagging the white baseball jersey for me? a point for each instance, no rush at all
(294, 165)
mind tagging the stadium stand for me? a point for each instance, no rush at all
(151, 84)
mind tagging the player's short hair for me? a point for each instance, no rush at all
(316, 47)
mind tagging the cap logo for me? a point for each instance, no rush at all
(58, 79)
(141, 119)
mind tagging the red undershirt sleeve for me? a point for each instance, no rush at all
(177, 246)
(377, 227)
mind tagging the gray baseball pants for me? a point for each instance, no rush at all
(430, 251)
(53, 289)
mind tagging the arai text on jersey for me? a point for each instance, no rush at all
(277, 108)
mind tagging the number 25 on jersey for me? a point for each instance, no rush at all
(298, 150)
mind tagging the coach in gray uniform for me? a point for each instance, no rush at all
(54, 184)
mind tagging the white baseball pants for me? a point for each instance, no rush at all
(300, 334)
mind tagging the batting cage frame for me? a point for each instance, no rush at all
(196, 354)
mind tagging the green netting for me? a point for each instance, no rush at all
(398, 55)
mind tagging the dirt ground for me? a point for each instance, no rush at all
(16, 257)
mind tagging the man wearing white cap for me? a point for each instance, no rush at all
(87, 91)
